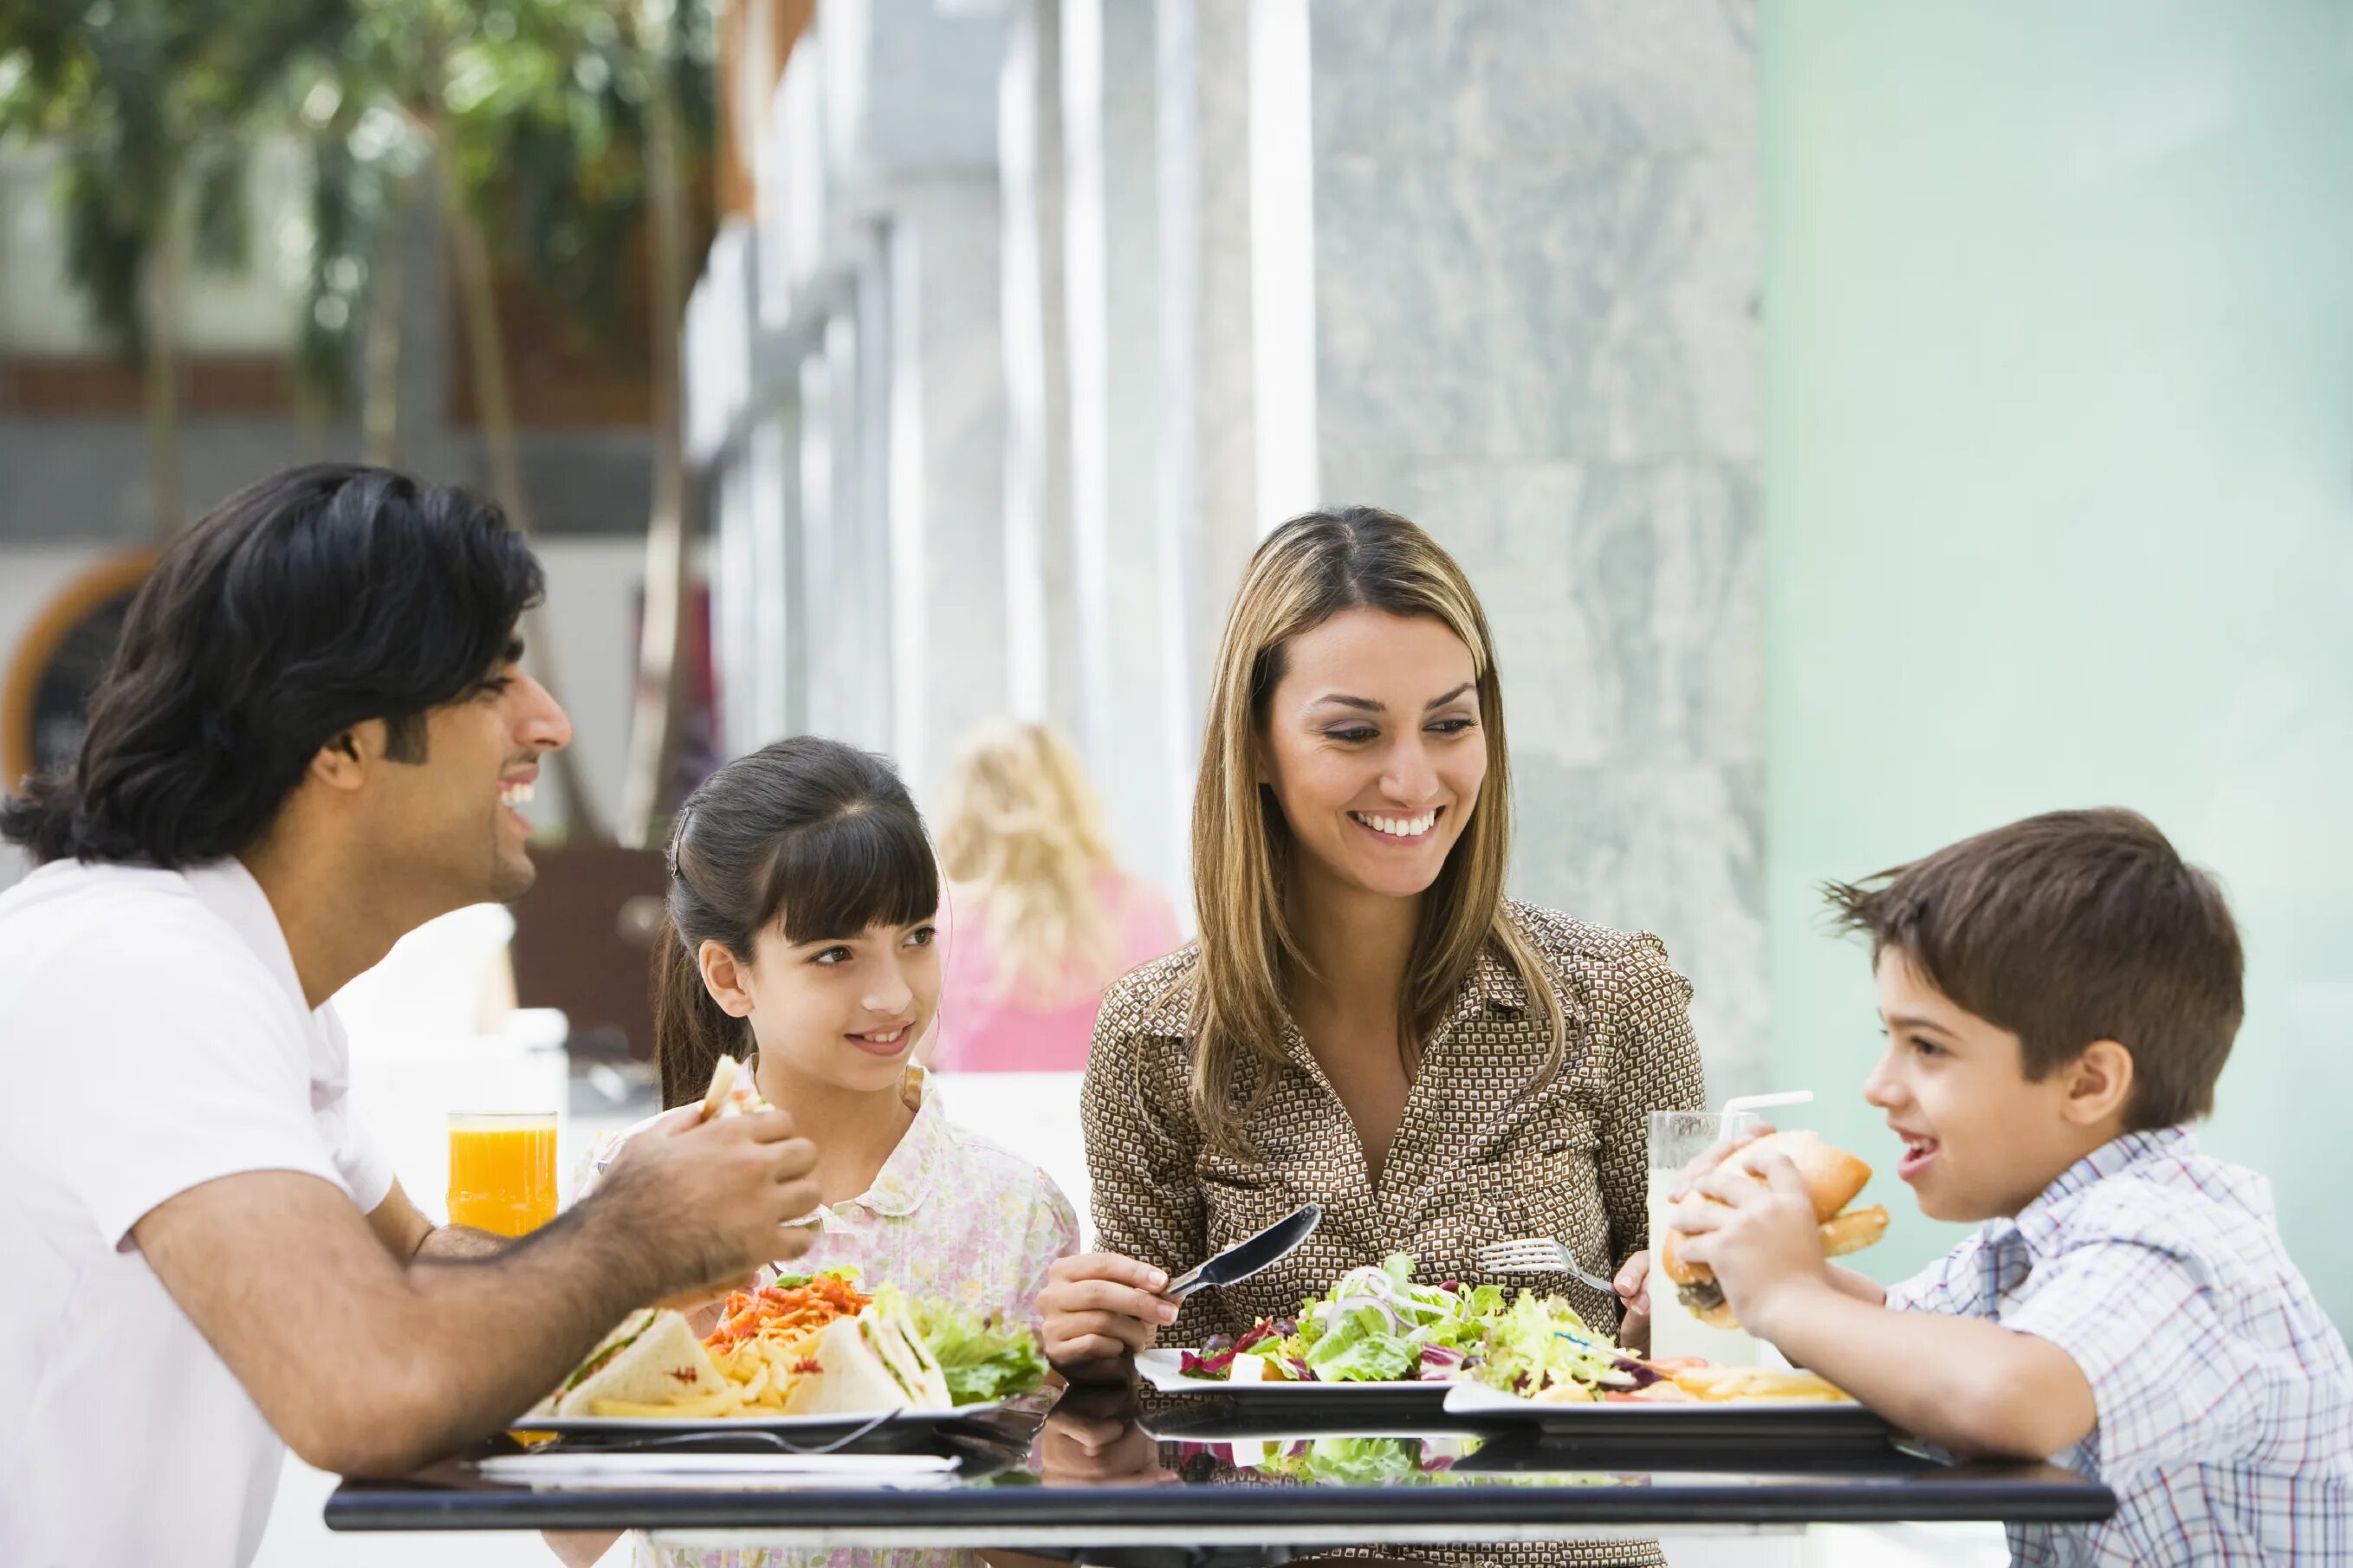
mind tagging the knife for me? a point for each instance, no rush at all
(1244, 1259)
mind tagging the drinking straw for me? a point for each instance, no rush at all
(1743, 1104)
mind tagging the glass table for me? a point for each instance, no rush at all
(1110, 1477)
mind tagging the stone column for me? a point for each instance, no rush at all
(1112, 227)
(1208, 461)
(1041, 574)
(821, 677)
(780, 635)
(947, 470)
(1536, 278)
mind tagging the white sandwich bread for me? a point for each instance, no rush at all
(653, 1358)
(875, 1361)
(733, 1091)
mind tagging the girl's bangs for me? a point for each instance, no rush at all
(860, 868)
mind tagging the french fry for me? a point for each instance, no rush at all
(1718, 1382)
(705, 1408)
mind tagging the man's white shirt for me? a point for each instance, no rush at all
(153, 1037)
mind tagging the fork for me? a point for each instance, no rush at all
(705, 1437)
(1538, 1254)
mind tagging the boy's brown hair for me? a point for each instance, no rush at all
(2068, 928)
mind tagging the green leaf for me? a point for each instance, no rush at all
(982, 1358)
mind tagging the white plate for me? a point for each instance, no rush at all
(814, 1428)
(1733, 1418)
(582, 1470)
(1478, 1399)
(1161, 1370)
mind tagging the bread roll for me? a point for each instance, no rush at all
(1832, 1178)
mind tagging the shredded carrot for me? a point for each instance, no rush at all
(772, 1313)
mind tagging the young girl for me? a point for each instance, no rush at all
(802, 893)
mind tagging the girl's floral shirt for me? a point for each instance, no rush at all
(951, 1215)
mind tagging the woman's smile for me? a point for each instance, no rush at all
(1396, 830)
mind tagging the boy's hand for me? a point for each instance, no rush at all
(1687, 1180)
(1761, 1240)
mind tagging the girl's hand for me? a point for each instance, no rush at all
(1100, 1309)
(1633, 1287)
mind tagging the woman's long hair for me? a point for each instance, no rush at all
(818, 832)
(1021, 827)
(1304, 573)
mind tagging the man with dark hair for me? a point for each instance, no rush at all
(313, 739)
(2060, 996)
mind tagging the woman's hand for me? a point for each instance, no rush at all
(1092, 1439)
(1633, 1287)
(1099, 1309)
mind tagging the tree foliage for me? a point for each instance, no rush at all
(542, 103)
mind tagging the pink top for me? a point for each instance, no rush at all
(982, 1030)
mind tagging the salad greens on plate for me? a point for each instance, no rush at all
(1378, 1325)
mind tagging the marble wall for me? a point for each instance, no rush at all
(1536, 278)
(1527, 234)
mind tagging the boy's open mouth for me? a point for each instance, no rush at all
(1917, 1153)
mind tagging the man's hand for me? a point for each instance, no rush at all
(1760, 1237)
(709, 1202)
(367, 1364)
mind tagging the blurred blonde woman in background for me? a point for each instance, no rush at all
(1039, 919)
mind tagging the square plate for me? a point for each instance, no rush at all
(799, 1428)
(1159, 1368)
(561, 1470)
(1721, 1420)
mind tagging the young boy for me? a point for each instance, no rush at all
(2060, 996)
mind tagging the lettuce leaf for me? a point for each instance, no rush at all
(1540, 1341)
(982, 1358)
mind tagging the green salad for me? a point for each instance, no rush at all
(982, 1357)
(1376, 1325)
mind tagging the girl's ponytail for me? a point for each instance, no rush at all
(691, 1031)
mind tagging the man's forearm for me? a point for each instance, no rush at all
(474, 1371)
(459, 1242)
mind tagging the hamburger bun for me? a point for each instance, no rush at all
(1832, 1178)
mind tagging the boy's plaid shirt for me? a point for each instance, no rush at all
(2225, 1396)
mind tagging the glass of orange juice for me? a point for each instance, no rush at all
(502, 1170)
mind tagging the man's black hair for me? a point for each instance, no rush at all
(303, 604)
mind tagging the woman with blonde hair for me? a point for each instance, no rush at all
(1039, 918)
(1366, 1022)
